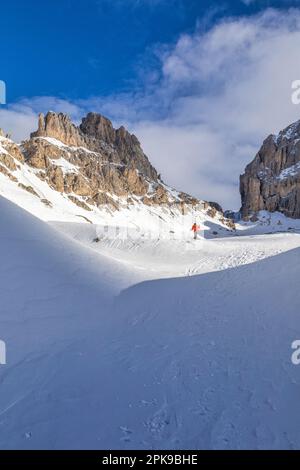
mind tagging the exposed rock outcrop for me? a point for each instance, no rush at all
(272, 180)
(60, 127)
(216, 206)
(97, 134)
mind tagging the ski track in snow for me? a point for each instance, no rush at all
(169, 258)
(148, 344)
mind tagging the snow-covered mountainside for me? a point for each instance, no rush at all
(95, 174)
(193, 362)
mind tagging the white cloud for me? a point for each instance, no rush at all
(222, 93)
(203, 115)
(18, 122)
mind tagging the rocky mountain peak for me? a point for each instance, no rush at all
(290, 133)
(98, 127)
(272, 180)
(59, 126)
(97, 134)
(94, 164)
(93, 130)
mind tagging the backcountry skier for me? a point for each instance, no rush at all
(195, 229)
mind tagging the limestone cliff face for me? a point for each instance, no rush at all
(272, 180)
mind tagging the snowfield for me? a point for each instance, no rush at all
(160, 257)
(147, 344)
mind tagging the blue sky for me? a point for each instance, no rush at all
(201, 83)
(80, 48)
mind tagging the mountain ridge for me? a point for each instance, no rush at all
(96, 168)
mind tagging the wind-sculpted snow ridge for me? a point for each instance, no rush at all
(196, 362)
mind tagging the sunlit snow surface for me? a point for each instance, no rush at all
(199, 361)
(145, 342)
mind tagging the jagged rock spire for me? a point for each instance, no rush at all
(41, 124)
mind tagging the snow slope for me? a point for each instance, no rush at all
(159, 257)
(194, 362)
(214, 366)
(52, 290)
(267, 223)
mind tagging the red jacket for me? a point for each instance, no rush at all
(195, 228)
